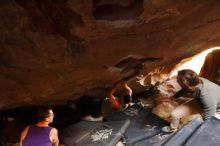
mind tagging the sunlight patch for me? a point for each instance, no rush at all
(195, 63)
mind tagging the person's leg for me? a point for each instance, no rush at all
(177, 114)
(186, 119)
(186, 109)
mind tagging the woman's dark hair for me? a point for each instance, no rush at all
(43, 113)
(188, 78)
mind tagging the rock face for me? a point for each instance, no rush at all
(54, 50)
(211, 68)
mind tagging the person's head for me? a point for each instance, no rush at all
(45, 114)
(188, 79)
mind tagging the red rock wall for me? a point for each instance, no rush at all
(211, 67)
(54, 50)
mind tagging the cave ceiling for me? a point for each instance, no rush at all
(55, 50)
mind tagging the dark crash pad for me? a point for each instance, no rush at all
(144, 124)
(181, 136)
(178, 138)
(156, 140)
(208, 134)
(139, 127)
(87, 133)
